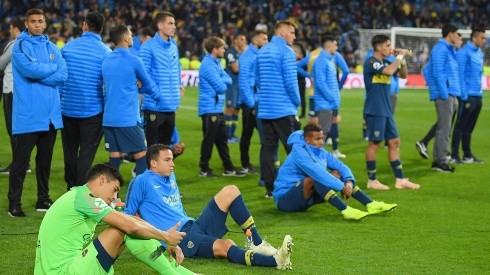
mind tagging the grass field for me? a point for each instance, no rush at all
(443, 228)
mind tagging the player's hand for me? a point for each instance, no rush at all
(179, 256)
(173, 236)
(347, 190)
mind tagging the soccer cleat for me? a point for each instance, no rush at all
(471, 159)
(233, 173)
(353, 214)
(16, 212)
(264, 248)
(406, 184)
(5, 171)
(442, 167)
(233, 140)
(455, 160)
(249, 170)
(209, 173)
(43, 206)
(376, 185)
(422, 149)
(376, 207)
(268, 194)
(338, 154)
(329, 141)
(133, 172)
(283, 254)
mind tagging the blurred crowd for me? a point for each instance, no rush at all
(199, 19)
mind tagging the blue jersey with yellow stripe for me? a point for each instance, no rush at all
(377, 88)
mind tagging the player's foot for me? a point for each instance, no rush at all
(422, 149)
(5, 171)
(16, 212)
(338, 154)
(43, 206)
(353, 214)
(406, 184)
(471, 159)
(283, 254)
(233, 173)
(264, 248)
(268, 194)
(329, 141)
(455, 160)
(249, 170)
(233, 140)
(375, 184)
(208, 173)
(442, 167)
(376, 207)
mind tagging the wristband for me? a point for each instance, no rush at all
(399, 57)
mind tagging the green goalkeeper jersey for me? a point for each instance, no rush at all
(67, 228)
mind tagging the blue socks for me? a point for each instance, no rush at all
(371, 169)
(330, 196)
(115, 162)
(140, 166)
(360, 196)
(334, 135)
(397, 168)
(241, 215)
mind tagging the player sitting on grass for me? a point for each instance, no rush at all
(155, 196)
(303, 179)
(65, 244)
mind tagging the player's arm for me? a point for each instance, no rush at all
(148, 85)
(232, 62)
(137, 227)
(462, 57)
(393, 67)
(316, 171)
(28, 65)
(290, 77)
(340, 61)
(302, 64)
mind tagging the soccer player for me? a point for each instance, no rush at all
(82, 100)
(378, 113)
(248, 96)
(304, 181)
(66, 243)
(155, 197)
(160, 56)
(16, 27)
(442, 76)
(121, 71)
(212, 85)
(38, 69)
(307, 62)
(278, 96)
(144, 35)
(232, 92)
(470, 64)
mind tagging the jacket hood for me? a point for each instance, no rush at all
(296, 138)
(35, 39)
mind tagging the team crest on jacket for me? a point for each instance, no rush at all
(190, 244)
(51, 56)
(376, 133)
(153, 117)
(213, 118)
(377, 65)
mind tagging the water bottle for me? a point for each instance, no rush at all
(118, 205)
(248, 239)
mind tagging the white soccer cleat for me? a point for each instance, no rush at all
(264, 248)
(283, 254)
(406, 184)
(375, 184)
(338, 154)
(329, 141)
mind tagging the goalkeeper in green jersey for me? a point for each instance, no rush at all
(66, 243)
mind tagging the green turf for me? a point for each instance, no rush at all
(443, 228)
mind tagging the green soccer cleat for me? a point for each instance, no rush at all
(376, 207)
(353, 214)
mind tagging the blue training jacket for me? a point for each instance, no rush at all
(309, 161)
(213, 81)
(277, 80)
(161, 60)
(326, 84)
(81, 95)
(470, 66)
(120, 71)
(38, 69)
(441, 72)
(246, 77)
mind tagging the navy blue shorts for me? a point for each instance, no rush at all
(380, 128)
(125, 139)
(202, 233)
(231, 96)
(311, 107)
(293, 200)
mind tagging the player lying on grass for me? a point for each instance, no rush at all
(66, 245)
(303, 179)
(154, 195)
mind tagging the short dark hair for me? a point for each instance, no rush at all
(104, 169)
(448, 28)
(159, 17)
(117, 33)
(301, 48)
(212, 43)
(95, 21)
(257, 33)
(311, 127)
(379, 39)
(327, 38)
(18, 23)
(147, 31)
(154, 151)
(475, 32)
(35, 11)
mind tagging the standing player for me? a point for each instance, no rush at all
(66, 243)
(278, 96)
(121, 71)
(160, 56)
(470, 64)
(307, 62)
(248, 96)
(378, 113)
(82, 100)
(232, 92)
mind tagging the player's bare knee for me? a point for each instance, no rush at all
(221, 247)
(232, 191)
(394, 143)
(308, 182)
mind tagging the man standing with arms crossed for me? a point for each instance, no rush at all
(278, 96)
(38, 70)
(160, 56)
(82, 99)
(470, 67)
